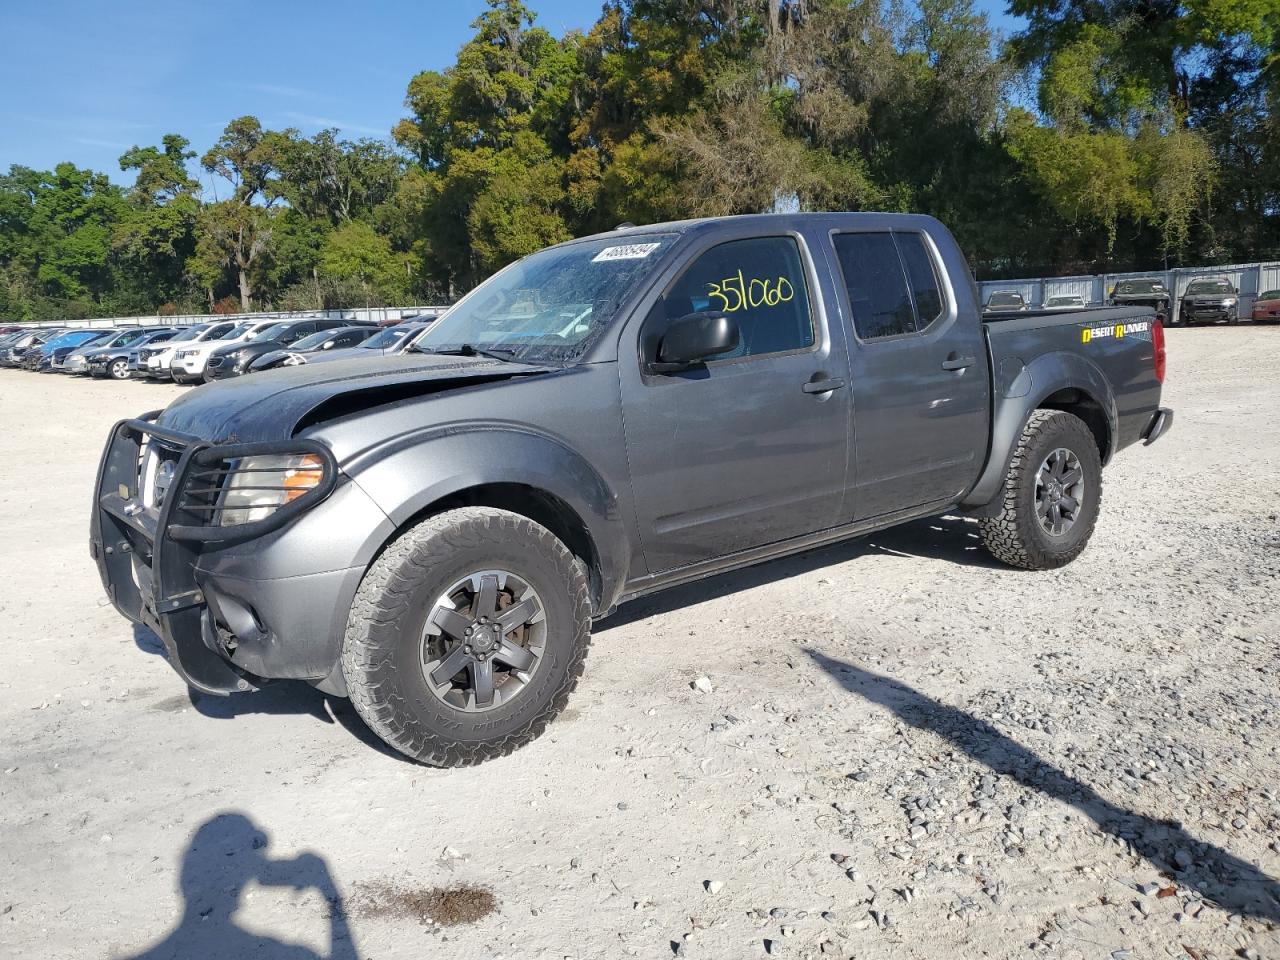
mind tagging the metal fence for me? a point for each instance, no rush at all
(356, 315)
(1250, 279)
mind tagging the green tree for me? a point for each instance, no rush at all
(355, 254)
(238, 229)
(156, 235)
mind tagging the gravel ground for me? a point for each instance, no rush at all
(889, 748)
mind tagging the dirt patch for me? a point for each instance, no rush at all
(442, 906)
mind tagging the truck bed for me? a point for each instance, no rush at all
(1110, 345)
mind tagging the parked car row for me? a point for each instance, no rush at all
(1207, 300)
(215, 350)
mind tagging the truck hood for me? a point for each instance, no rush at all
(277, 404)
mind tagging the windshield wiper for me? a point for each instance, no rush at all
(470, 350)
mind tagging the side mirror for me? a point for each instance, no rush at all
(328, 344)
(693, 339)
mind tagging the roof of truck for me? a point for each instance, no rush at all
(774, 220)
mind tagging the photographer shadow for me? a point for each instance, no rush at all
(227, 853)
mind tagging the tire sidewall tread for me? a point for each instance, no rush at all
(380, 651)
(1014, 535)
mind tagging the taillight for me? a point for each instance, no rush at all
(1157, 340)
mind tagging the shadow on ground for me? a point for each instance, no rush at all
(226, 853)
(951, 539)
(1215, 874)
(281, 697)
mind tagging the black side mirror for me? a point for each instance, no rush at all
(693, 339)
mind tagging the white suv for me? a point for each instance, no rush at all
(189, 358)
(155, 362)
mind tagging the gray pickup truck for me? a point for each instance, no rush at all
(432, 534)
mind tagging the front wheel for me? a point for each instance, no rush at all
(119, 370)
(467, 636)
(1051, 494)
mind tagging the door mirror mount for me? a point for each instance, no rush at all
(693, 339)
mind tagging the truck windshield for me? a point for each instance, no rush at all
(1140, 287)
(550, 306)
(1210, 286)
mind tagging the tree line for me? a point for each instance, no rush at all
(1107, 134)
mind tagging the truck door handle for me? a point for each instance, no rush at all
(823, 386)
(956, 362)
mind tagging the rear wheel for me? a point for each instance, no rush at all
(467, 636)
(1051, 494)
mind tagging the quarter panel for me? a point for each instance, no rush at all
(567, 442)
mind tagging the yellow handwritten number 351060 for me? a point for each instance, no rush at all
(736, 293)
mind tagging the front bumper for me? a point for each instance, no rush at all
(76, 364)
(189, 366)
(221, 368)
(1213, 312)
(269, 602)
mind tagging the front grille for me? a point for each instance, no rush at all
(215, 362)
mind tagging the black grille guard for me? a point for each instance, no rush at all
(163, 545)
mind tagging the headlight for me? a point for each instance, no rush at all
(259, 486)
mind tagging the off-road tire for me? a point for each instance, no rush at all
(1015, 535)
(382, 655)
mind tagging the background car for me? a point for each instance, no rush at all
(1071, 301)
(13, 353)
(39, 357)
(112, 359)
(155, 362)
(78, 360)
(339, 339)
(189, 360)
(1005, 301)
(234, 360)
(412, 318)
(63, 352)
(1210, 300)
(386, 341)
(1143, 292)
(1266, 308)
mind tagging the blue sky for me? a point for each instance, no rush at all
(83, 80)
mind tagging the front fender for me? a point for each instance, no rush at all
(1020, 393)
(409, 473)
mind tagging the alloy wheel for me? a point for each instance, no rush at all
(483, 640)
(1060, 492)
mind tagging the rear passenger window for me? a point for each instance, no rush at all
(877, 286)
(921, 275)
(760, 283)
(891, 281)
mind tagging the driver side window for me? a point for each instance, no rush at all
(760, 283)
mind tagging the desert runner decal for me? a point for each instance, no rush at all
(1139, 328)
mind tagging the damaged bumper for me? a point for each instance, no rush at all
(233, 604)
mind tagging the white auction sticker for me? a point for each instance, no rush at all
(628, 251)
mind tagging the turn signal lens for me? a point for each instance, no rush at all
(305, 476)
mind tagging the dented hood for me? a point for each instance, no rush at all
(276, 404)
